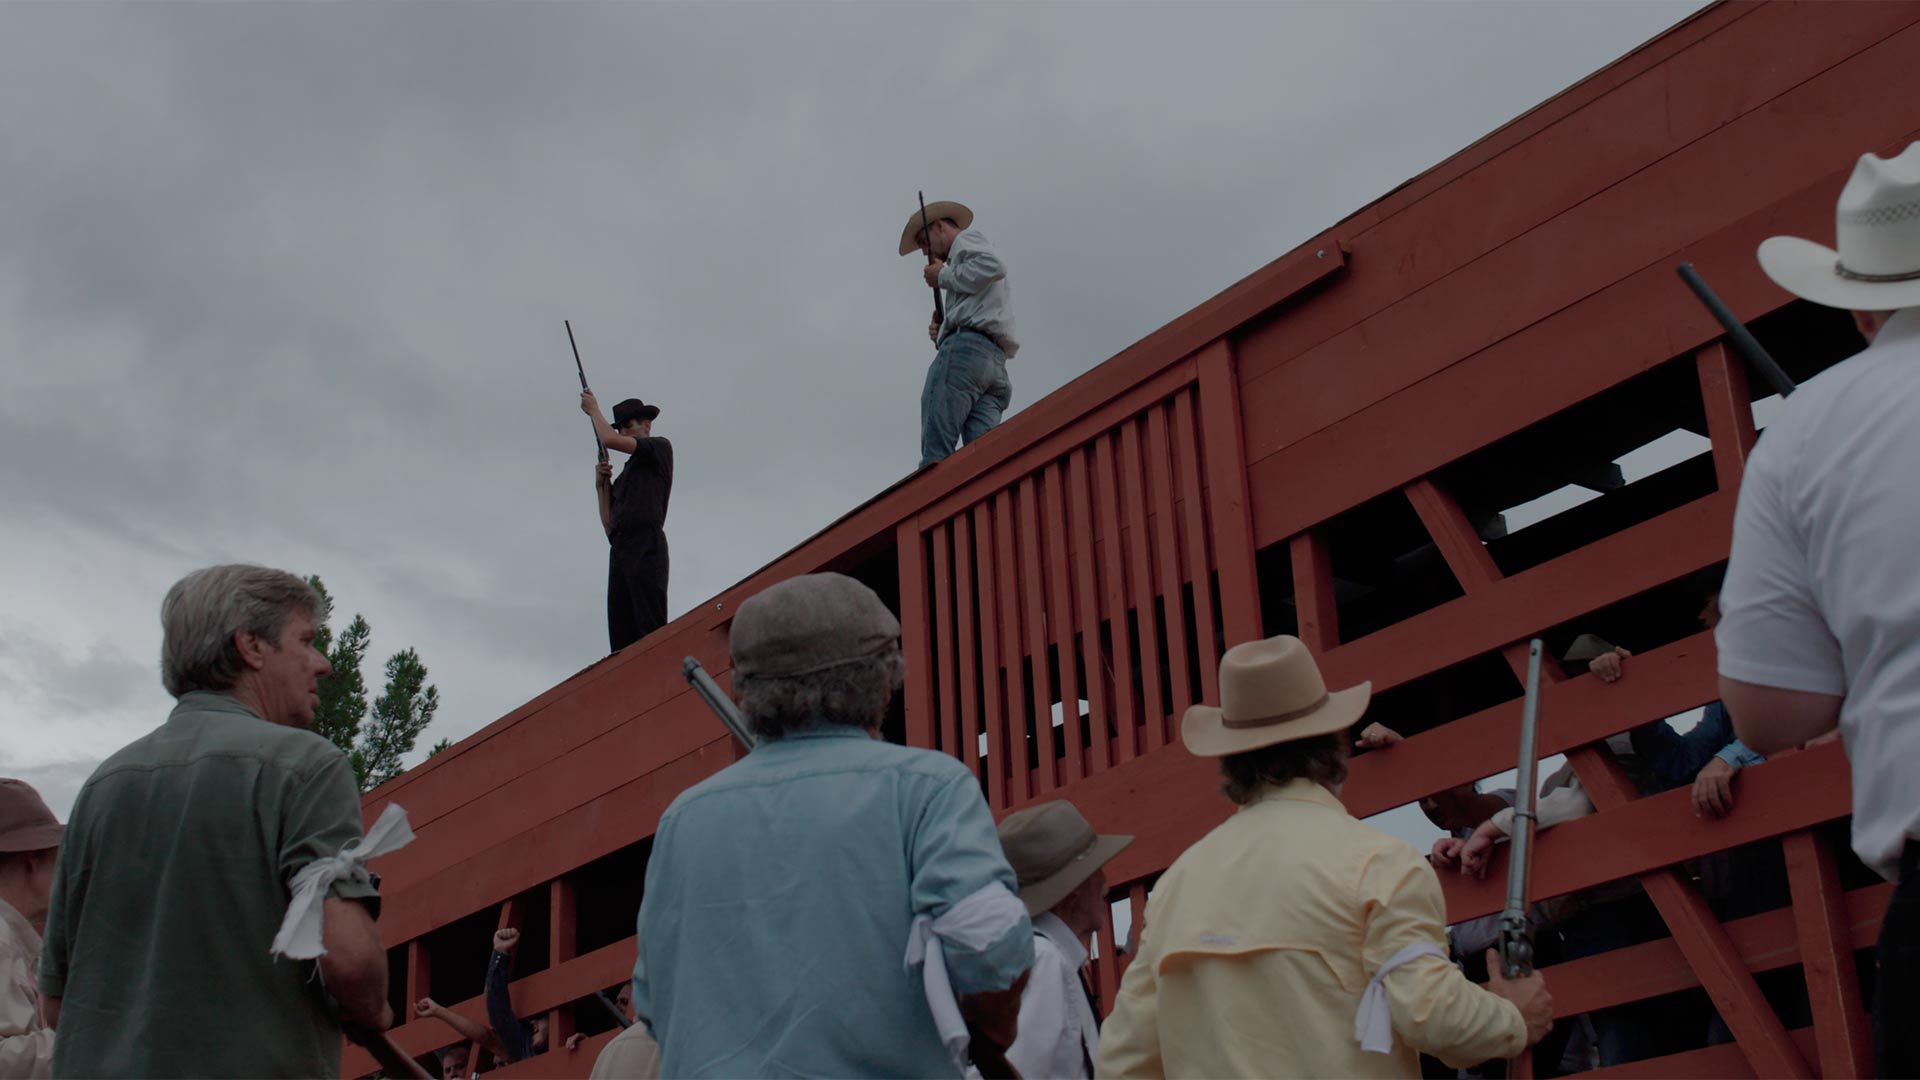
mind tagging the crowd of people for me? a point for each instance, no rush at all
(836, 904)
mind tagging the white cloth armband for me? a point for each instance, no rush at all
(300, 937)
(974, 924)
(1373, 1024)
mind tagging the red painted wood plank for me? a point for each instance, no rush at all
(1010, 651)
(562, 946)
(1140, 564)
(946, 695)
(1167, 551)
(1116, 596)
(1724, 393)
(967, 639)
(990, 662)
(1712, 1063)
(1186, 443)
(1059, 617)
(1459, 543)
(1821, 925)
(1230, 512)
(1085, 568)
(915, 637)
(1313, 597)
(1034, 594)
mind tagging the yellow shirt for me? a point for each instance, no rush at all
(1260, 938)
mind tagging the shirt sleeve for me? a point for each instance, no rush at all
(1130, 1039)
(1048, 1037)
(972, 265)
(955, 853)
(56, 942)
(513, 1034)
(654, 449)
(1738, 755)
(1771, 631)
(1435, 1009)
(26, 1048)
(321, 815)
(1563, 803)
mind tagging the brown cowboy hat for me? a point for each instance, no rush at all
(1270, 692)
(26, 824)
(961, 216)
(1052, 850)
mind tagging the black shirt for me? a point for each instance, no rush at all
(640, 491)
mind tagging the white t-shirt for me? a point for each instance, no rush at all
(1823, 588)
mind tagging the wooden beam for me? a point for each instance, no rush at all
(915, 637)
(1313, 598)
(1724, 394)
(1826, 955)
(1229, 508)
(562, 946)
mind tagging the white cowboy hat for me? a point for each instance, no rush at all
(1052, 850)
(961, 216)
(1270, 692)
(1877, 230)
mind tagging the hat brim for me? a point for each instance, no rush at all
(1043, 894)
(1805, 269)
(961, 216)
(1206, 734)
(32, 838)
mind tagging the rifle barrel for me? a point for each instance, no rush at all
(599, 448)
(1738, 335)
(939, 315)
(717, 700)
(1516, 948)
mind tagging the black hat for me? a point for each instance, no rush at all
(633, 409)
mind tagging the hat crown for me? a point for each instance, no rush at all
(1269, 679)
(26, 823)
(1042, 840)
(807, 624)
(1877, 220)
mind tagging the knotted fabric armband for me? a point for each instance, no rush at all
(299, 937)
(1373, 1024)
(973, 924)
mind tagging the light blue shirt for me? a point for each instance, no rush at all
(974, 287)
(778, 901)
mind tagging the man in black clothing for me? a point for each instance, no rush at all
(633, 510)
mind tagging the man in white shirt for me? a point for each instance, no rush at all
(1820, 617)
(967, 390)
(1058, 860)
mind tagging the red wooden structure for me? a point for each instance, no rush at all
(1331, 447)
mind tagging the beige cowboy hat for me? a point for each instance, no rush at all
(961, 216)
(1270, 692)
(1052, 850)
(1875, 264)
(1586, 648)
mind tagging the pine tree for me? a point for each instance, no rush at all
(375, 744)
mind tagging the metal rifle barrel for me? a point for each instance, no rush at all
(717, 700)
(1743, 340)
(1516, 946)
(939, 314)
(613, 1008)
(599, 448)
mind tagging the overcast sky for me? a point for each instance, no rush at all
(283, 283)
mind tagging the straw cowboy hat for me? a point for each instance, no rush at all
(1877, 231)
(1052, 850)
(1270, 692)
(961, 216)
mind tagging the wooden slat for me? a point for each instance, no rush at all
(946, 688)
(1827, 944)
(998, 754)
(1117, 599)
(1060, 620)
(1085, 569)
(1140, 566)
(1723, 390)
(1230, 512)
(1022, 786)
(966, 639)
(1186, 440)
(1167, 550)
(562, 946)
(1034, 596)
(1711, 1063)
(1459, 543)
(914, 636)
(1313, 597)
(419, 970)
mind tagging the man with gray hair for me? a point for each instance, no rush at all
(175, 870)
(816, 908)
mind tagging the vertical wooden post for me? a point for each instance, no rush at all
(562, 946)
(419, 970)
(911, 552)
(1723, 391)
(1229, 504)
(1313, 593)
(999, 751)
(946, 688)
(1826, 956)
(1206, 646)
(1140, 563)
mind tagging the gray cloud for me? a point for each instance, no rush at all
(285, 282)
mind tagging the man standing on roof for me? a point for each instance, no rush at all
(966, 389)
(633, 511)
(1820, 614)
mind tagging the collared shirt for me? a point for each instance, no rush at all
(632, 1055)
(26, 1045)
(1821, 594)
(1059, 1033)
(974, 290)
(171, 884)
(778, 902)
(1260, 939)
(641, 491)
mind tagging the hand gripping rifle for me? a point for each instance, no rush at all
(717, 700)
(1738, 335)
(939, 312)
(1516, 932)
(598, 446)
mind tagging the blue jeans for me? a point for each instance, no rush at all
(966, 392)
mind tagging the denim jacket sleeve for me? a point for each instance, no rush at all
(500, 1010)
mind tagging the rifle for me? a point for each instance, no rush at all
(598, 446)
(392, 1062)
(717, 700)
(939, 312)
(1516, 932)
(1738, 335)
(612, 1008)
